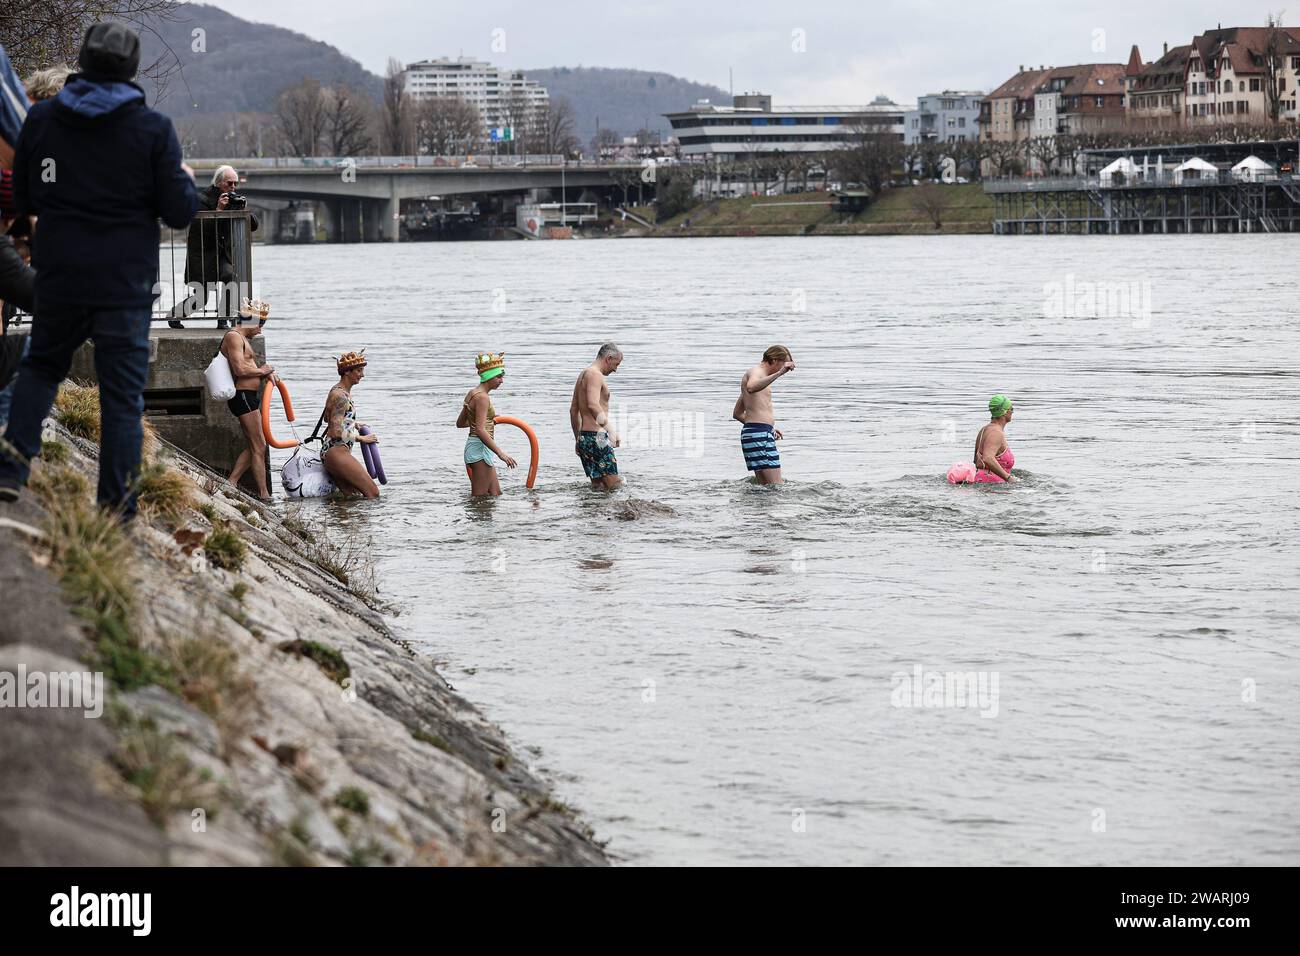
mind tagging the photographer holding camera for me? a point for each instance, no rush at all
(208, 257)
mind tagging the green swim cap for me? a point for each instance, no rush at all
(491, 373)
(999, 405)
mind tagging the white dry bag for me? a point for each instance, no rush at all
(221, 384)
(304, 475)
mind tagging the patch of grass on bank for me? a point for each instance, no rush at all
(296, 526)
(288, 850)
(433, 740)
(346, 557)
(94, 562)
(966, 203)
(162, 778)
(354, 800)
(165, 493)
(224, 547)
(206, 673)
(77, 409)
(55, 485)
(54, 452)
(794, 211)
(329, 660)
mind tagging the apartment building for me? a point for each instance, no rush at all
(1084, 98)
(948, 117)
(501, 96)
(1007, 114)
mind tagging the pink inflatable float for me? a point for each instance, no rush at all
(965, 472)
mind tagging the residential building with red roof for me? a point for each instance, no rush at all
(1236, 74)
(1155, 92)
(1007, 114)
(1084, 98)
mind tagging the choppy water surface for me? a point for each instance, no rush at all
(706, 668)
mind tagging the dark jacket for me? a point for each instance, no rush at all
(208, 255)
(16, 278)
(99, 168)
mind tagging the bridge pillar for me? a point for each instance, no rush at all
(390, 210)
(370, 224)
(350, 220)
(334, 219)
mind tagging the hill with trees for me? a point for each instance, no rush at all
(620, 99)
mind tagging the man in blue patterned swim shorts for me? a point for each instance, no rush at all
(758, 433)
(593, 432)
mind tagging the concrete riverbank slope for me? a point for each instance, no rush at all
(259, 710)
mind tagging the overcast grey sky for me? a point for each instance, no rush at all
(852, 50)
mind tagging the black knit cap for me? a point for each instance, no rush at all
(111, 51)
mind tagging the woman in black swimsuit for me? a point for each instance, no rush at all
(247, 403)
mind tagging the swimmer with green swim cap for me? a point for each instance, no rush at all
(993, 456)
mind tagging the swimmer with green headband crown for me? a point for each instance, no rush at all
(478, 415)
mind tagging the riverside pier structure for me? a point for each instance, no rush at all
(1210, 188)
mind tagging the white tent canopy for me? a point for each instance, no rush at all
(1252, 168)
(1195, 168)
(1118, 171)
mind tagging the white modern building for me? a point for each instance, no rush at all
(752, 126)
(948, 117)
(493, 90)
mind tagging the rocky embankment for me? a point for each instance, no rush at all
(259, 711)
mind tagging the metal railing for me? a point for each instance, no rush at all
(206, 271)
(181, 293)
(470, 160)
(1130, 181)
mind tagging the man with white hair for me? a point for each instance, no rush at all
(209, 259)
(593, 431)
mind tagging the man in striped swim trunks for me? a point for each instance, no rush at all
(759, 434)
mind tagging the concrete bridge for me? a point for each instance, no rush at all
(362, 197)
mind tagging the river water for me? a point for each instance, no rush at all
(713, 672)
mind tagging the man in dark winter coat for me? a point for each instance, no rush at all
(98, 168)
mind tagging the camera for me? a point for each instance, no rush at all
(235, 201)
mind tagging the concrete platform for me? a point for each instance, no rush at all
(175, 399)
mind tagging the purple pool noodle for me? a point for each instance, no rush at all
(370, 454)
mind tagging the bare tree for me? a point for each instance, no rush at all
(605, 138)
(870, 157)
(347, 122)
(302, 114)
(523, 119)
(226, 134)
(1042, 149)
(396, 126)
(932, 201)
(560, 138)
(41, 33)
(447, 125)
(1274, 68)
